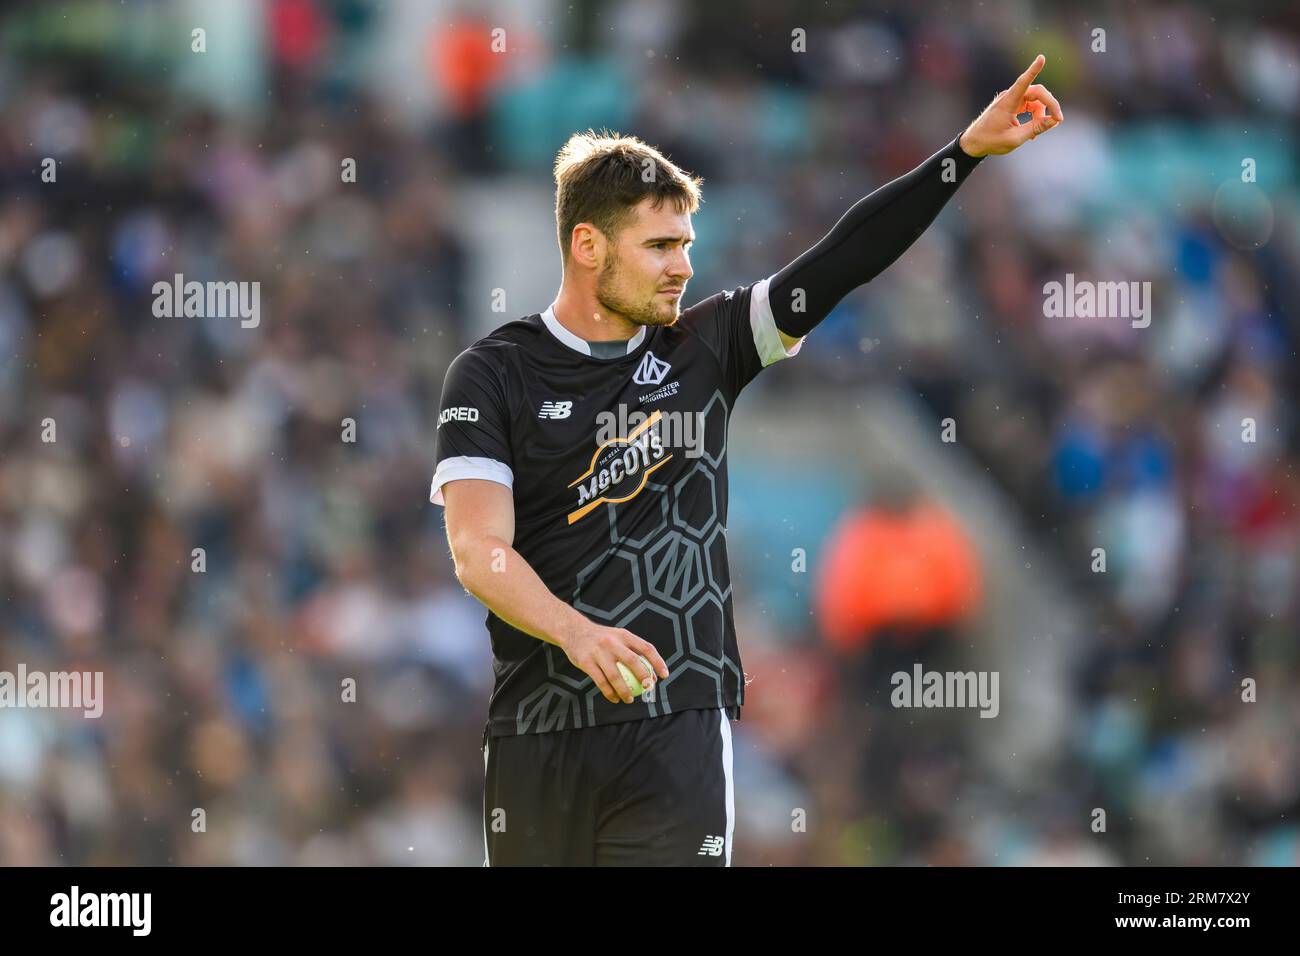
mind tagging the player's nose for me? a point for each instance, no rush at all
(681, 267)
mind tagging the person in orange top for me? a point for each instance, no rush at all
(464, 65)
(902, 563)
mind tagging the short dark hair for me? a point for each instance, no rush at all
(601, 177)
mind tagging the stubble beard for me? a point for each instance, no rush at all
(642, 312)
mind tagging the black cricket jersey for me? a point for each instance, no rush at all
(619, 472)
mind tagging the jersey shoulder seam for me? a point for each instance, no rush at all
(726, 295)
(492, 350)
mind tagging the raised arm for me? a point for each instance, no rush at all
(880, 227)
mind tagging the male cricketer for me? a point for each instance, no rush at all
(595, 536)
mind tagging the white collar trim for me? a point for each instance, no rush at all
(577, 343)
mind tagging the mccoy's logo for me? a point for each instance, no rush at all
(651, 371)
(620, 467)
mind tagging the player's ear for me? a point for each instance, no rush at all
(587, 245)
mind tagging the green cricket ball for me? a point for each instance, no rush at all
(633, 684)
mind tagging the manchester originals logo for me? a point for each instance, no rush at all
(651, 371)
(620, 467)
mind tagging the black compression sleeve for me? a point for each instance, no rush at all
(875, 231)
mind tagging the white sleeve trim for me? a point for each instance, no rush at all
(767, 340)
(453, 469)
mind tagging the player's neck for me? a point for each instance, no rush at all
(584, 317)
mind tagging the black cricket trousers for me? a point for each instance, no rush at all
(651, 792)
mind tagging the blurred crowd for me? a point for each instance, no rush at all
(293, 674)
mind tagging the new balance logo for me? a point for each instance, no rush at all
(555, 410)
(651, 371)
(712, 846)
